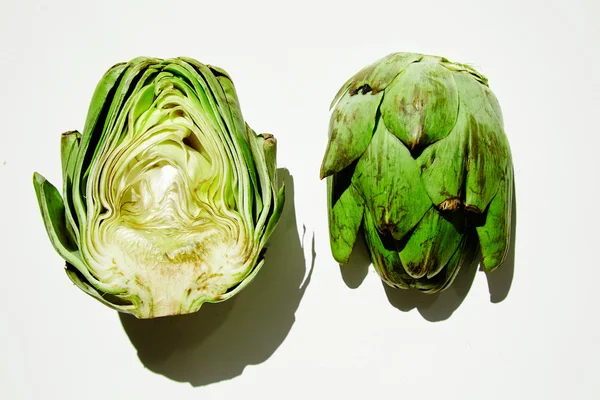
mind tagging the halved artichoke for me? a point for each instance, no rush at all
(169, 198)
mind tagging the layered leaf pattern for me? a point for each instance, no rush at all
(169, 198)
(423, 165)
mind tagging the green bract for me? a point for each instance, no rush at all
(418, 157)
(168, 196)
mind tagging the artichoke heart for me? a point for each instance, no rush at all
(417, 156)
(168, 197)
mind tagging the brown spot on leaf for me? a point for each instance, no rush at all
(269, 139)
(450, 204)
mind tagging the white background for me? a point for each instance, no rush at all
(291, 335)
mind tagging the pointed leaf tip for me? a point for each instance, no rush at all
(323, 173)
(350, 130)
(38, 179)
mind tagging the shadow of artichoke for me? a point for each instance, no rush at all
(220, 340)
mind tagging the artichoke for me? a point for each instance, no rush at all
(417, 156)
(168, 197)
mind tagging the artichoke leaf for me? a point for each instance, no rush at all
(69, 146)
(377, 76)
(460, 260)
(384, 256)
(443, 167)
(488, 152)
(420, 106)
(431, 244)
(345, 218)
(494, 235)
(388, 178)
(53, 214)
(350, 130)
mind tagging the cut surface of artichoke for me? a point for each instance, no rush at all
(174, 205)
(168, 228)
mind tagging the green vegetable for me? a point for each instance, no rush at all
(169, 198)
(418, 157)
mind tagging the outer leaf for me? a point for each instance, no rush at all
(385, 257)
(488, 151)
(90, 290)
(389, 180)
(269, 147)
(377, 76)
(277, 210)
(237, 123)
(53, 214)
(431, 245)
(69, 141)
(461, 259)
(270, 150)
(350, 130)
(345, 218)
(443, 167)
(102, 94)
(390, 268)
(263, 151)
(69, 146)
(421, 105)
(494, 235)
(458, 67)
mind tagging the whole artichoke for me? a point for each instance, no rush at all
(418, 157)
(169, 198)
